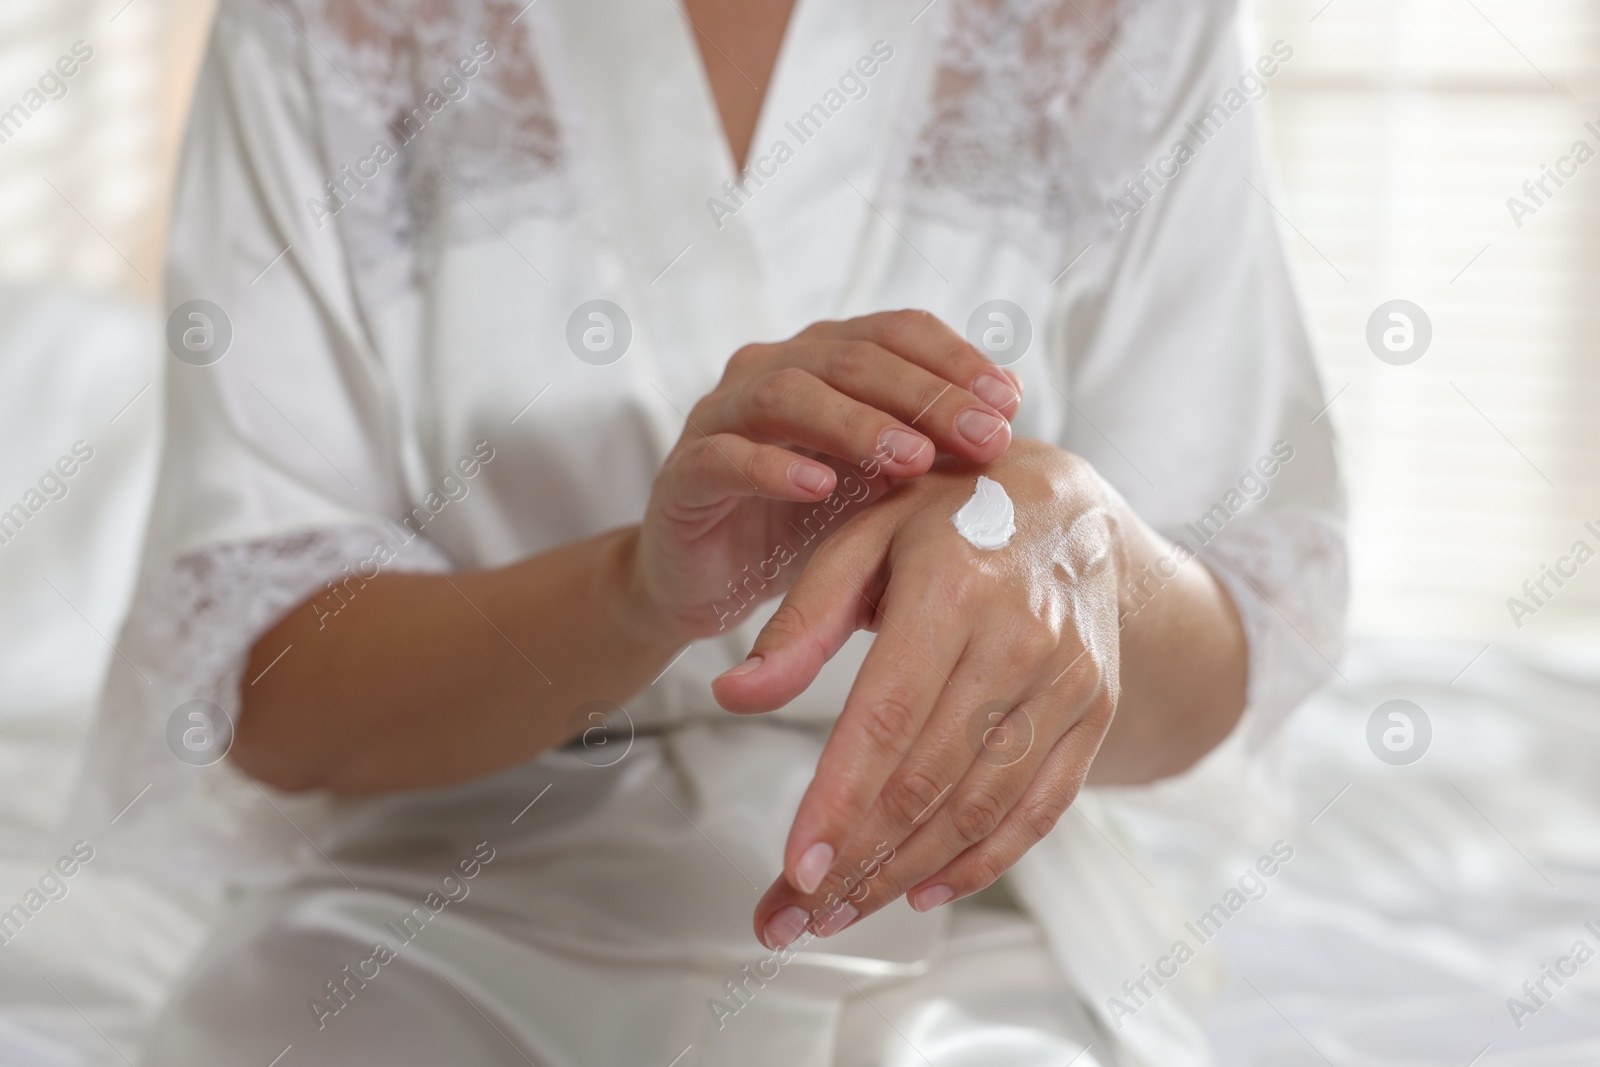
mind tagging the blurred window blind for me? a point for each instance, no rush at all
(1399, 130)
(85, 175)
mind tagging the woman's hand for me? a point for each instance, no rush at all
(836, 414)
(987, 694)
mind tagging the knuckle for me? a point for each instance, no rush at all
(787, 623)
(773, 392)
(889, 723)
(910, 793)
(745, 359)
(709, 458)
(819, 328)
(850, 361)
(754, 466)
(985, 868)
(1035, 642)
(697, 459)
(906, 321)
(975, 816)
(1039, 818)
(930, 394)
(1090, 676)
(895, 328)
(1083, 674)
(705, 411)
(1102, 708)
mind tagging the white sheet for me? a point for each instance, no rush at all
(79, 982)
(1423, 896)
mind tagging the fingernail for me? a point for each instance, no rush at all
(837, 919)
(814, 863)
(1016, 380)
(932, 897)
(784, 926)
(746, 667)
(903, 445)
(811, 479)
(978, 426)
(994, 391)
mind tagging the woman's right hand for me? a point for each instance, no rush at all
(836, 413)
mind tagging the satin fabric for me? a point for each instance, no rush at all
(1172, 355)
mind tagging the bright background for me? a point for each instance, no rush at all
(1421, 896)
(1399, 129)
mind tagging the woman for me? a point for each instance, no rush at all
(523, 434)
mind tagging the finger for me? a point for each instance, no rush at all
(924, 339)
(984, 722)
(954, 418)
(721, 466)
(833, 598)
(783, 914)
(974, 810)
(894, 694)
(1025, 825)
(969, 767)
(794, 406)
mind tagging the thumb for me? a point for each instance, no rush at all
(833, 598)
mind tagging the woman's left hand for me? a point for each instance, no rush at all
(985, 697)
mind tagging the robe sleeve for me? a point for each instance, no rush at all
(283, 472)
(1191, 387)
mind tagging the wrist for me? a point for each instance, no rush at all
(636, 615)
(1085, 500)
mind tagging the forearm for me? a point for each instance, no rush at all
(428, 680)
(1184, 662)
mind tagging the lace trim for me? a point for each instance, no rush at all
(190, 631)
(1038, 110)
(217, 602)
(471, 153)
(1288, 576)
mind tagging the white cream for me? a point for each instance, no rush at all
(987, 520)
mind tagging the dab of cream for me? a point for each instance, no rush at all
(987, 520)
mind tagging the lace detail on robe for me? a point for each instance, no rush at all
(1288, 577)
(190, 632)
(438, 125)
(218, 601)
(1039, 110)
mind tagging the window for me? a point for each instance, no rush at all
(1399, 130)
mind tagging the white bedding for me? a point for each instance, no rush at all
(1424, 897)
(72, 368)
(1416, 903)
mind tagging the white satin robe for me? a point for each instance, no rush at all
(375, 347)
